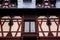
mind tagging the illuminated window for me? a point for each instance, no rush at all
(14, 28)
(29, 26)
(32, 26)
(26, 26)
(44, 28)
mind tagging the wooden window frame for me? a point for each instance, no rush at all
(29, 25)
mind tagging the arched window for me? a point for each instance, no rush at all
(50, 30)
(14, 30)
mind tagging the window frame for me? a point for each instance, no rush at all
(30, 26)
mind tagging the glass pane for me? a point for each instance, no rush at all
(5, 34)
(40, 34)
(53, 26)
(6, 26)
(18, 35)
(32, 26)
(14, 27)
(26, 26)
(54, 33)
(44, 26)
(0, 34)
(46, 34)
(58, 34)
(13, 34)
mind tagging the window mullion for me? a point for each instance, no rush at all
(29, 27)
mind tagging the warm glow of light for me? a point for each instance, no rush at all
(17, 17)
(54, 33)
(53, 17)
(46, 28)
(59, 34)
(39, 28)
(43, 26)
(59, 27)
(6, 26)
(0, 34)
(41, 17)
(20, 28)
(40, 34)
(13, 34)
(46, 34)
(53, 26)
(5, 34)
(18, 34)
(14, 27)
(5, 17)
